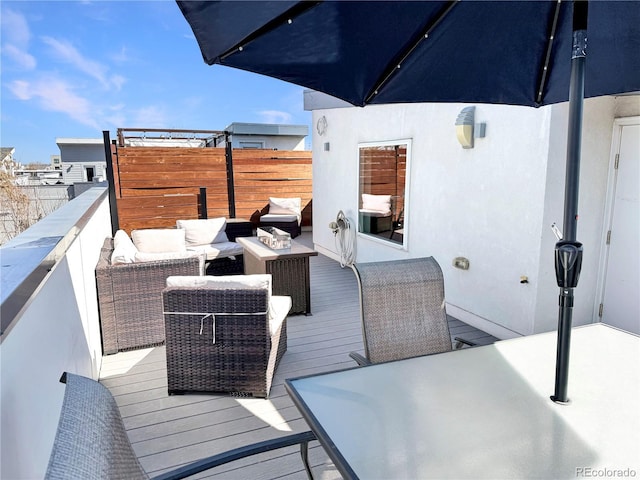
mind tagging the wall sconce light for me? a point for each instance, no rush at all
(465, 131)
(321, 125)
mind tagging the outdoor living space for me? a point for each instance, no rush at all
(168, 431)
(40, 342)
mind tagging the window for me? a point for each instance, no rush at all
(382, 190)
(253, 145)
(90, 174)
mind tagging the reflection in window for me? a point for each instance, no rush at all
(382, 191)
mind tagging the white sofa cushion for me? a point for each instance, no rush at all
(285, 206)
(233, 282)
(279, 307)
(204, 231)
(159, 240)
(218, 250)
(268, 217)
(376, 204)
(124, 251)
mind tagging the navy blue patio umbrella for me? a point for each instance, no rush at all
(529, 53)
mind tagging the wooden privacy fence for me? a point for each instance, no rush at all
(155, 186)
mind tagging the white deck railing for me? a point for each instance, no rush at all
(50, 324)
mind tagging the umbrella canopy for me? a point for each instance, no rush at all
(505, 52)
(530, 53)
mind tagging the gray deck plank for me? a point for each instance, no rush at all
(168, 431)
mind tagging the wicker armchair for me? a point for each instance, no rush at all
(130, 299)
(402, 309)
(223, 338)
(285, 214)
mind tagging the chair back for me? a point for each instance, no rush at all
(402, 309)
(91, 442)
(223, 334)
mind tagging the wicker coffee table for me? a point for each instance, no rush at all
(289, 269)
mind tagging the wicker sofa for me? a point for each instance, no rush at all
(130, 298)
(224, 334)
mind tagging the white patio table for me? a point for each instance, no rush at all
(484, 412)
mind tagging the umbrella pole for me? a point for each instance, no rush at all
(568, 252)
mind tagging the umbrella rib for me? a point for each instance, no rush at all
(281, 19)
(396, 64)
(547, 59)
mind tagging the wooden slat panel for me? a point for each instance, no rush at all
(172, 154)
(251, 155)
(170, 201)
(170, 181)
(152, 192)
(258, 174)
(141, 215)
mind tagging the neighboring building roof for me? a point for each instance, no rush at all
(239, 128)
(6, 151)
(79, 141)
(318, 101)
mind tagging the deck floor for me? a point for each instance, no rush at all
(168, 431)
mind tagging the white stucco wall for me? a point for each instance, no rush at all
(493, 204)
(58, 330)
(596, 159)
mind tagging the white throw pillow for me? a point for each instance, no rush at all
(291, 206)
(159, 240)
(204, 231)
(124, 251)
(376, 203)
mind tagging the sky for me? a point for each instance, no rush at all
(75, 69)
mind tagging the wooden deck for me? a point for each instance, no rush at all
(170, 431)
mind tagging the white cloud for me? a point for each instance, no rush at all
(117, 81)
(193, 102)
(120, 57)
(69, 54)
(15, 29)
(56, 95)
(152, 116)
(116, 119)
(20, 57)
(20, 89)
(275, 116)
(16, 36)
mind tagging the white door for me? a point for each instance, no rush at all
(621, 298)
